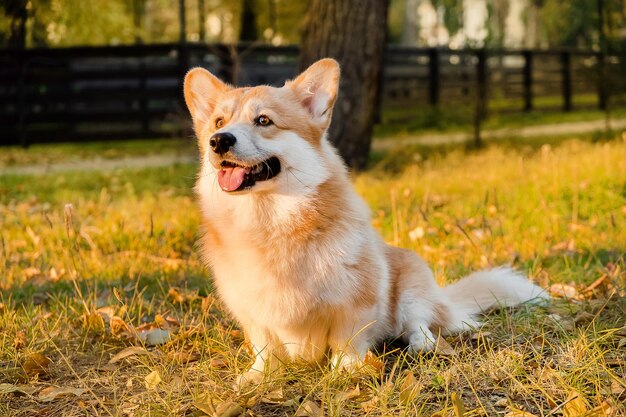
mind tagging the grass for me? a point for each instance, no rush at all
(45, 154)
(76, 280)
(409, 120)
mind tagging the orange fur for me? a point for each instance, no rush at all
(294, 256)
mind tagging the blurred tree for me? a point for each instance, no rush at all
(497, 11)
(573, 23)
(75, 22)
(533, 23)
(16, 14)
(452, 14)
(248, 30)
(410, 24)
(353, 32)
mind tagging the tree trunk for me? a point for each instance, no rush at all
(18, 14)
(410, 26)
(354, 33)
(248, 32)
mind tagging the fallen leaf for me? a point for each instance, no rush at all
(373, 361)
(184, 356)
(251, 402)
(36, 364)
(410, 388)
(127, 352)
(19, 342)
(348, 394)
(93, 322)
(236, 335)
(293, 402)
(519, 413)
(56, 275)
(574, 405)
(273, 397)
(309, 409)
(218, 363)
(583, 318)
(563, 291)
(153, 379)
(416, 233)
(23, 389)
(31, 272)
(457, 404)
(370, 404)
(207, 303)
(596, 284)
(442, 347)
(567, 245)
(118, 326)
(127, 409)
(603, 410)
(153, 336)
(502, 402)
(51, 393)
(565, 322)
(618, 387)
(180, 296)
(480, 335)
(614, 361)
(228, 409)
(106, 312)
(205, 404)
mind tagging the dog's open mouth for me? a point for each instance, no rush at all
(235, 177)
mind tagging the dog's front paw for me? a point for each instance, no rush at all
(346, 362)
(421, 341)
(250, 379)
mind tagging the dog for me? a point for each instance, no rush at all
(290, 244)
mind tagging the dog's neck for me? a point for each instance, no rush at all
(295, 213)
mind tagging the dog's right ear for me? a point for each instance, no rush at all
(317, 89)
(202, 92)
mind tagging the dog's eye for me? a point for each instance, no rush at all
(263, 120)
(219, 122)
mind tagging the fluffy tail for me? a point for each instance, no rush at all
(483, 290)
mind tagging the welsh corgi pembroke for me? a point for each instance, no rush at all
(290, 243)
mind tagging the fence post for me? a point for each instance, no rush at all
(528, 80)
(434, 76)
(143, 97)
(566, 79)
(602, 91)
(184, 62)
(481, 94)
(22, 63)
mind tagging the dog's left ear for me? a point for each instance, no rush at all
(202, 92)
(317, 88)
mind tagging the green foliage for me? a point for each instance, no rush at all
(72, 22)
(453, 14)
(570, 23)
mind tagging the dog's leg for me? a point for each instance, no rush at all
(267, 357)
(349, 340)
(417, 316)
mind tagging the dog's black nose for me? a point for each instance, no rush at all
(222, 142)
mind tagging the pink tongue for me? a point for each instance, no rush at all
(231, 178)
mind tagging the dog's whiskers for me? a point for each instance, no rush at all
(306, 187)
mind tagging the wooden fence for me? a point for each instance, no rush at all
(122, 92)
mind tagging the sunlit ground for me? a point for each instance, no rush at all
(119, 269)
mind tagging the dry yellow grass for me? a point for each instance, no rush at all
(84, 285)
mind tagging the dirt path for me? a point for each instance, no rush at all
(100, 164)
(167, 159)
(525, 132)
